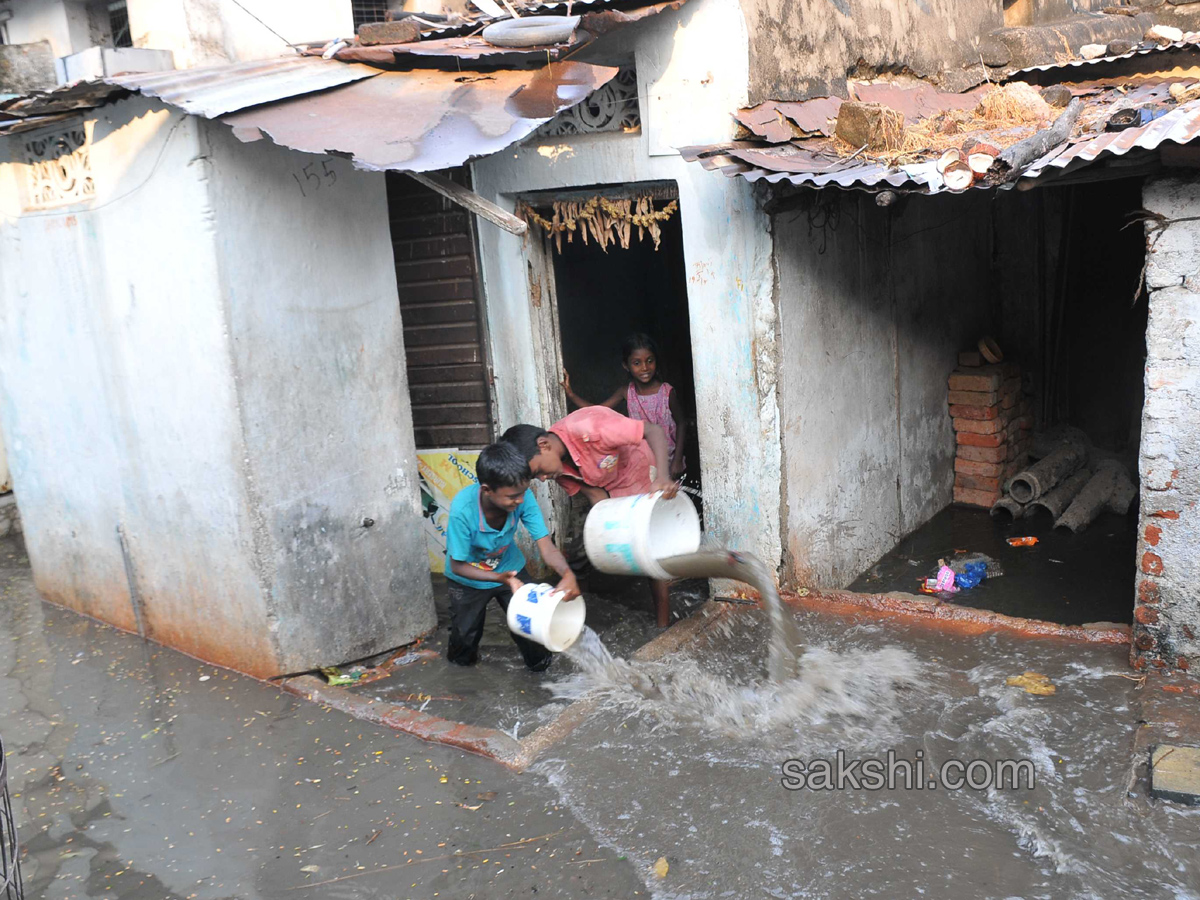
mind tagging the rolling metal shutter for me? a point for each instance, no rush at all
(437, 278)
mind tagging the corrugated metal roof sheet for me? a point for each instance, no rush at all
(816, 162)
(425, 119)
(1190, 40)
(81, 95)
(216, 90)
(1180, 126)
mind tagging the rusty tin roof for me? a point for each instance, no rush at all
(448, 117)
(794, 142)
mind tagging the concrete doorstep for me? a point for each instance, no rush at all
(490, 742)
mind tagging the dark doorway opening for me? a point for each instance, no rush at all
(605, 296)
(1081, 346)
(601, 298)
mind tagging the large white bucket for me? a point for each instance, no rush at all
(629, 535)
(538, 612)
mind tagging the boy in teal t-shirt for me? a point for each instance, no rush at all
(483, 561)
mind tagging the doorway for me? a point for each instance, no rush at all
(601, 296)
(1076, 337)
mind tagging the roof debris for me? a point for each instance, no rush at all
(799, 142)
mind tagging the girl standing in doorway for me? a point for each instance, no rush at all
(646, 397)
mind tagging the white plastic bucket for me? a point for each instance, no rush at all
(538, 612)
(629, 535)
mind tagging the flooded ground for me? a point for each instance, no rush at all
(651, 779)
(499, 692)
(143, 774)
(1066, 578)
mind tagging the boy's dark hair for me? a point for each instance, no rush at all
(502, 465)
(637, 341)
(525, 439)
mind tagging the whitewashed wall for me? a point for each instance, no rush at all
(692, 70)
(64, 23)
(202, 387)
(211, 32)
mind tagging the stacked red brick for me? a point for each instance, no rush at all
(992, 425)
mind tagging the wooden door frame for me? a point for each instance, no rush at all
(547, 353)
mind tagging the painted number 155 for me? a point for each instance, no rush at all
(313, 175)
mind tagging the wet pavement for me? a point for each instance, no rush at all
(499, 692)
(1066, 578)
(143, 774)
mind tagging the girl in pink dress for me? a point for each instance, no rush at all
(646, 397)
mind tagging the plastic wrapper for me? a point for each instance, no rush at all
(971, 575)
(960, 563)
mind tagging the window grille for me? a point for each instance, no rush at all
(367, 11)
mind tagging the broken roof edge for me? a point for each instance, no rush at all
(455, 118)
(210, 91)
(1180, 127)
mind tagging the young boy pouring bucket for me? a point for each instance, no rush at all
(601, 454)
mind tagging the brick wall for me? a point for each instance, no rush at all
(992, 426)
(1167, 610)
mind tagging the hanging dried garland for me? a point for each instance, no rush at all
(606, 221)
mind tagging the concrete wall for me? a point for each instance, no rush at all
(42, 20)
(1167, 614)
(26, 67)
(5, 477)
(211, 32)
(808, 48)
(118, 396)
(318, 357)
(828, 39)
(726, 250)
(874, 305)
(170, 411)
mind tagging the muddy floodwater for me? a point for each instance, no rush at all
(145, 775)
(686, 762)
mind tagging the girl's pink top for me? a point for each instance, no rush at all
(654, 408)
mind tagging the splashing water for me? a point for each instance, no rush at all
(802, 686)
(852, 685)
(783, 649)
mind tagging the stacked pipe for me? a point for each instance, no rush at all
(992, 424)
(1061, 486)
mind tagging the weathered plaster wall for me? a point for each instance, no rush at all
(195, 392)
(826, 39)
(874, 305)
(726, 250)
(211, 32)
(807, 48)
(318, 357)
(26, 67)
(44, 20)
(1167, 614)
(118, 401)
(5, 478)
